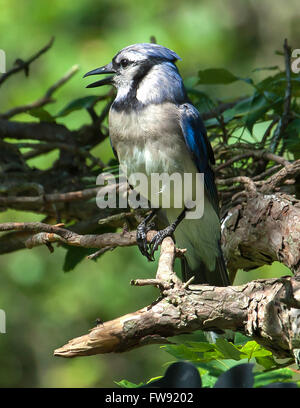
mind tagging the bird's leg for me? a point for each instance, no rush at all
(167, 232)
(141, 234)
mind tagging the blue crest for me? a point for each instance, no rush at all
(152, 50)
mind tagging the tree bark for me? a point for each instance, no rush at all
(266, 310)
(261, 230)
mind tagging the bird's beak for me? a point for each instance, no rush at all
(106, 69)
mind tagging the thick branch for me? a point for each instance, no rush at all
(263, 229)
(268, 310)
(45, 233)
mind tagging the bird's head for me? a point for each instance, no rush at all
(131, 64)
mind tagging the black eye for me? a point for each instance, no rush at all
(124, 62)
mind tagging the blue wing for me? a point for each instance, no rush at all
(194, 133)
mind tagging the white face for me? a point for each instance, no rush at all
(129, 64)
(146, 76)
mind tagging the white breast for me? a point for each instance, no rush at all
(150, 141)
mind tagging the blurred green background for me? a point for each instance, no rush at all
(44, 306)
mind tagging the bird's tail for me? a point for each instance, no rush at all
(201, 238)
(202, 274)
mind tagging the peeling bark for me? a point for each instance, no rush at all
(264, 229)
(266, 310)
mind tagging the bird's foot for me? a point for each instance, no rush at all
(159, 237)
(145, 226)
(141, 236)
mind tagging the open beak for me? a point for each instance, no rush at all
(106, 69)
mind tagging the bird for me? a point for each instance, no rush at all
(154, 128)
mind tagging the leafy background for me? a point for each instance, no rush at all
(44, 305)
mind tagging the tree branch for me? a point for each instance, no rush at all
(24, 65)
(47, 98)
(267, 310)
(284, 120)
(264, 229)
(45, 233)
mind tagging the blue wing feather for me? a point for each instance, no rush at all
(194, 133)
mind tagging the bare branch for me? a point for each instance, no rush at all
(24, 65)
(246, 309)
(50, 233)
(47, 98)
(46, 147)
(51, 198)
(258, 154)
(293, 170)
(284, 120)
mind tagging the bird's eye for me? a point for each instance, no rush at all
(124, 62)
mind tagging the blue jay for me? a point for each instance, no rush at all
(154, 128)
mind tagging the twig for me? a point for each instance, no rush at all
(51, 198)
(258, 154)
(46, 147)
(47, 98)
(288, 172)
(187, 283)
(25, 64)
(100, 252)
(240, 179)
(284, 120)
(220, 109)
(148, 282)
(267, 172)
(268, 132)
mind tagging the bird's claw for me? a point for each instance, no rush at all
(141, 238)
(158, 239)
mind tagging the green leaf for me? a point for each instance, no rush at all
(277, 84)
(253, 117)
(128, 384)
(272, 68)
(42, 114)
(181, 352)
(204, 352)
(228, 350)
(216, 367)
(252, 109)
(240, 339)
(201, 100)
(213, 368)
(280, 375)
(260, 104)
(252, 349)
(208, 381)
(199, 346)
(77, 104)
(216, 76)
(154, 379)
(267, 362)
